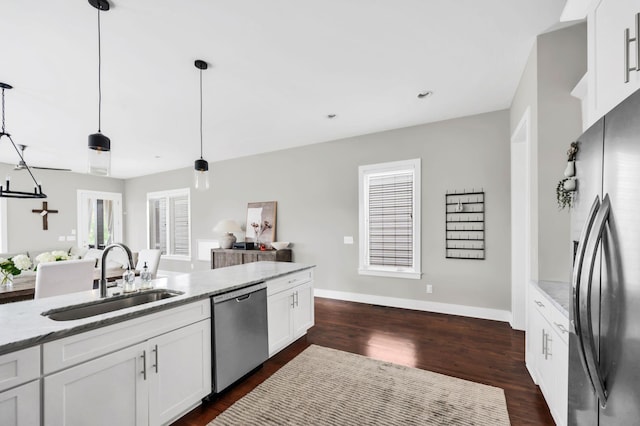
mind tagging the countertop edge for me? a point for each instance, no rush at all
(561, 302)
(103, 320)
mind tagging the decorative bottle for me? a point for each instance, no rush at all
(128, 281)
(145, 278)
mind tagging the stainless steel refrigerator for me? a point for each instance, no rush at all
(604, 344)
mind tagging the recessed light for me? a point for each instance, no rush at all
(425, 94)
(330, 116)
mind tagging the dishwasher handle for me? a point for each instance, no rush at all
(243, 298)
(240, 294)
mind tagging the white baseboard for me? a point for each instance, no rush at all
(419, 305)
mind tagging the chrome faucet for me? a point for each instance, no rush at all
(103, 269)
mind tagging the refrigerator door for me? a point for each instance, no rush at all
(620, 292)
(583, 404)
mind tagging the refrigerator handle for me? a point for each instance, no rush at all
(576, 280)
(586, 324)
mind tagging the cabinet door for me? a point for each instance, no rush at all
(606, 26)
(225, 258)
(303, 311)
(249, 257)
(535, 342)
(21, 406)
(279, 314)
(561, 378)
(110, 390)
(179, 371)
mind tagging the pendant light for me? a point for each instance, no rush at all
(6, 191)
(201, 166)
(99, 144)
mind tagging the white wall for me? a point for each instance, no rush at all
(556, 64)
(25, 228)
(317, 194)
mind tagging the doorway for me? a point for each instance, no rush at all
(99, 218)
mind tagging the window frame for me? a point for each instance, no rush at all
(167, 195)
(364, 172)
(84, 195)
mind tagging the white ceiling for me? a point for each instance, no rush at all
(277, 68)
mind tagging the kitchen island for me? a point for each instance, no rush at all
(146, 364)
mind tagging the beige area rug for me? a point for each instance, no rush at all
(324, 386)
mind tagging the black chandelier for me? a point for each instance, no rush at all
(6, 191)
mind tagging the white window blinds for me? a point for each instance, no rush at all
(169, 223)
(390, 219)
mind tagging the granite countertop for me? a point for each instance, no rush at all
(558, 292)
(23, 325)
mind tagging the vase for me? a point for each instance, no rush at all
(227, 240)
(569, 184)
(7, 279)
(570, 171)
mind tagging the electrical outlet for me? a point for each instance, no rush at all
(429, 288)
(348, 240)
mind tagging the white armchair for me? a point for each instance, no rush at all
(69, 276)
(152, 258)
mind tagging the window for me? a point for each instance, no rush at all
(390, 219)
(99, 218)
(169, 223)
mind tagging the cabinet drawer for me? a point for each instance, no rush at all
(82, 347)
(558, 321)
(19, 367)
(288, 281)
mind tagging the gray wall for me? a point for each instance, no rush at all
(25, 228)
(316, 188)
(526, 96)
(556, 64)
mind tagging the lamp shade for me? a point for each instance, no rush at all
(227, 226)
(201, 174)
(99, 154)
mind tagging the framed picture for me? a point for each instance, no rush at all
(261, 223)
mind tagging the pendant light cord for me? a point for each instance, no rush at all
(201, 114)
(99, 75)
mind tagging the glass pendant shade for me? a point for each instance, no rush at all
(99, 155)
(201, 174)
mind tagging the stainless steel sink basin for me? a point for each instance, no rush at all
(110, 304)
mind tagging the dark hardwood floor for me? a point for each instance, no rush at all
(483, 351)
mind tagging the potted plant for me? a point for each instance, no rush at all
(567, 186)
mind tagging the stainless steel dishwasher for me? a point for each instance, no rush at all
(240, 340)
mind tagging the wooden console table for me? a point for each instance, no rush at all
(229, 257)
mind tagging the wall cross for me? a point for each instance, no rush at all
(44, 212)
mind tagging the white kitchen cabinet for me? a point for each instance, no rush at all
(303, 309)
(179, 371)
(20, 406)
(607, 50)
(110, 390)
(548, 352)
(150, 382)
(280, 319)
(19, 387)
(290, 308)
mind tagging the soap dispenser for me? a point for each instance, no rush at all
(128, 281)
(145, 278)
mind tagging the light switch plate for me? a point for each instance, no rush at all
(348, 240)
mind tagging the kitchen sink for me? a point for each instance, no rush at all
(110, 304)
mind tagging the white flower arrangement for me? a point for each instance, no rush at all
(53, 256)
(13, 266)
(22, 262)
